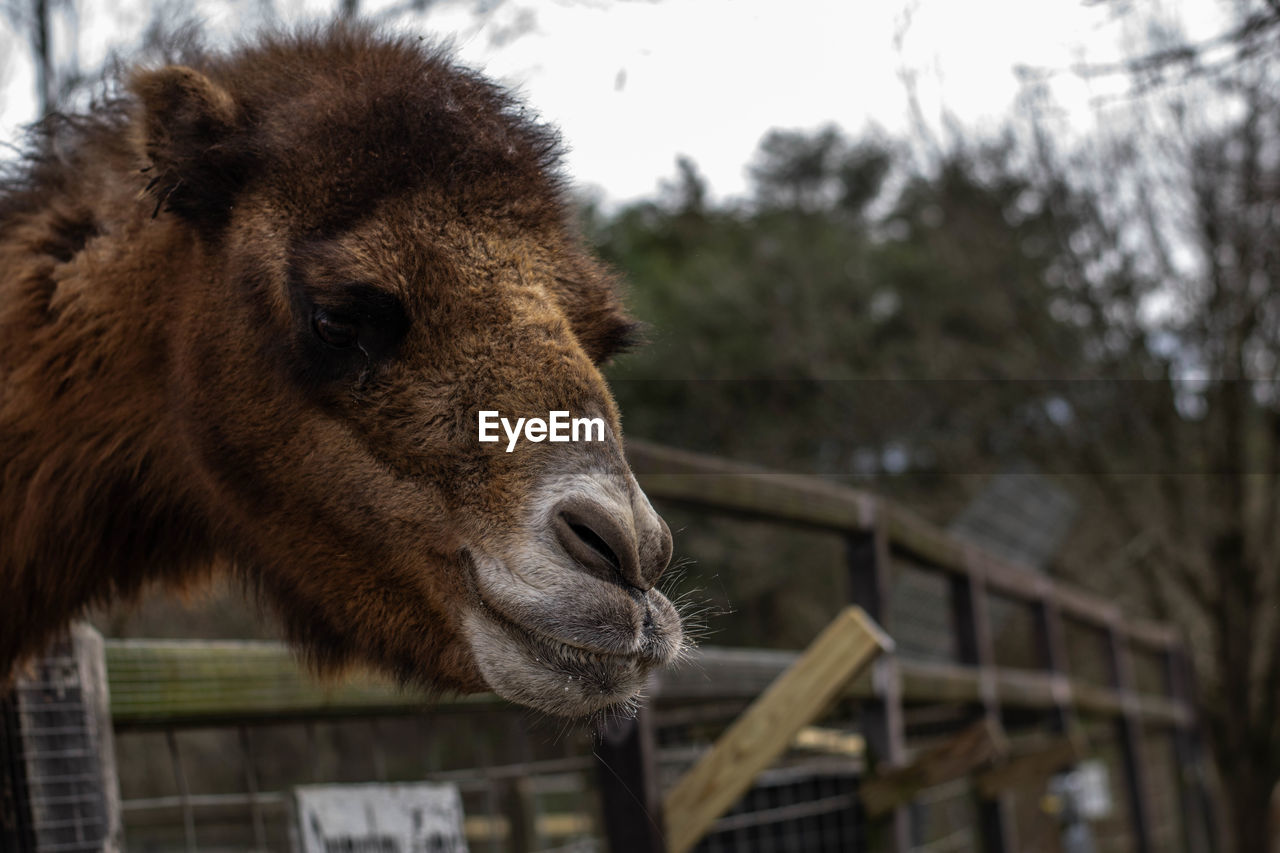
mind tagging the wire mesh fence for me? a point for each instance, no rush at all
(524, 786)
(531, 784)
(57, 780)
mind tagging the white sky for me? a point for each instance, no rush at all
(632, 84)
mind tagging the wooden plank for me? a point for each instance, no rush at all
(979, 745)
(926, 681)
(706, 481)
(707, 673)
(1085, 608)
(935, 547)
(928, 544)
(1025, 688)
(91, 661)
(830, 742)
(155, 683)
(1026, 769)
(710, 482)
(171, 682)
(1015, 581)
(766, 729)
(1153, 636)
(1162, 712)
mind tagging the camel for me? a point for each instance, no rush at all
(250, 308)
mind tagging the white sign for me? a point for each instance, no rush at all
(1088, 788)
(409, 818)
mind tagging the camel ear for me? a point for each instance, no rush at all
(187, 125)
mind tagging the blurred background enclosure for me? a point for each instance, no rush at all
(1013, 264)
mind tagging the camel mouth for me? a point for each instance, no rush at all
(529, 668)
(541, 662)
(554, 648)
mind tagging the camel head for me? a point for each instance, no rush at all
(376, 250)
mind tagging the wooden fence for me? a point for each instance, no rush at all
(904, 756)
(880, 534)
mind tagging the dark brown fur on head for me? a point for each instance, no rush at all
(249, 312)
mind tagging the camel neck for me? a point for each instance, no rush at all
(92, 503)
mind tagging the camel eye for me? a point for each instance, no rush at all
(337, 332)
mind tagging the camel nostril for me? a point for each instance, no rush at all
(598, 542)
(593, 540)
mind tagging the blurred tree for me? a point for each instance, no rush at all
(1169, 57)
(851, 319)
(1172, 280)
(1109, 313)
(858, 317)
(31, 19)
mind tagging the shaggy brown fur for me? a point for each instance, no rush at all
(248, 313)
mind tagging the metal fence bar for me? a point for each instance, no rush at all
(251, 783)
(184, 793)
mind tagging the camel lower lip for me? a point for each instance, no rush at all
(552, 650)
(537, 659)
(580, 681)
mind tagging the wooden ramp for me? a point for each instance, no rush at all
(767, 727)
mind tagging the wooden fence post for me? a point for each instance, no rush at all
(1194, 797)
(1053, 655)
(870, 584)
(627, 775)
(972, 625)
(514, 801)
(1130, 730)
